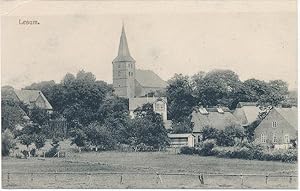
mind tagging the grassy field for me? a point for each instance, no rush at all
(139, 163)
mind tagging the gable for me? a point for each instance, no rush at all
(274, 116)
(31, 97)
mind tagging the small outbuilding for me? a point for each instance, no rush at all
(180, 140)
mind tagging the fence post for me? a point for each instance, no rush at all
(267, 179)
(159, 177)
(31, 176)
(121, 180)
(201, 179)
(8, 177)
(290, 180)
(242, 179)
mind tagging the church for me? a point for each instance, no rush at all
(136, 84)
(130, 82)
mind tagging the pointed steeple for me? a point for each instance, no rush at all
(123, 54)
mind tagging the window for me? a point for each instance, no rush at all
(119, 73)
(263, 138)
(274, 124)
(159, 106)
(119, 65)
(274, 138)
(286, 139)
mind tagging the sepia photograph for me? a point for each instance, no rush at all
(149, 94)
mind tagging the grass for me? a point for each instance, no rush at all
(148, 162)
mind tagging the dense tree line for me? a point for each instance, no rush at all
(97, 117)
(220, 87)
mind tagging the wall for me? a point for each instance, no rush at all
(283, 128)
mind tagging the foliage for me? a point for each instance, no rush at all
(12, 115)
(217, 87)
(39, 116)
(40, 141)
(184, 126)
(206, 147)
(180, 98)
(54, 149)
(26, 139)
(99, 136)
(187, 150)
(209, 133)
(148, 128)
(8, 142)
(251, 153)
(76, 97)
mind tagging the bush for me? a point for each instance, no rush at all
(8, 142)
(187, 150)
(206, 149)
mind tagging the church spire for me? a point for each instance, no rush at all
(123, 53)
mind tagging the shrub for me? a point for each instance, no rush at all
(8, 142)
(206, 147)
(187, 150)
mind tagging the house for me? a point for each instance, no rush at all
(246, 113)
(180, 140)
(34, 98)
(128, 81)
(278, 128)
(215, 117)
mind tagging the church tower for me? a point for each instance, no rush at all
(124, 70)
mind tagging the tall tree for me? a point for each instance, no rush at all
(180, 98)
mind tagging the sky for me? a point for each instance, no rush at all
(255, 39)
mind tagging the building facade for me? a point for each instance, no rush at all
(279, 127)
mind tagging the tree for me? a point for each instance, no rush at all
(39, 116)
(209, 133)
(217, 87)
(148, 128)
(249, 131)
(8, 142)
(184, 126)
(99, 135)
(12, 115)
(180, 98)
(27, 140)
(78, 136)
(39, 141)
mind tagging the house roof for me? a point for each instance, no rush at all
(30, 96)
(246, 112)
(289, 114)
(134, 103)
(123, 53)
(213, 119)
(147, 78)
(182, 135)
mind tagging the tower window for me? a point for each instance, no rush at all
(119, 73)
(119, 65)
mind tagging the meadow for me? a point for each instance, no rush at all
(113, 169)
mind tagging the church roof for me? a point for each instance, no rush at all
(147, 78)
(123, 53)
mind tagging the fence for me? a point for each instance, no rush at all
(144, 180)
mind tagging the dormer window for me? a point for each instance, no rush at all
(274, 124)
